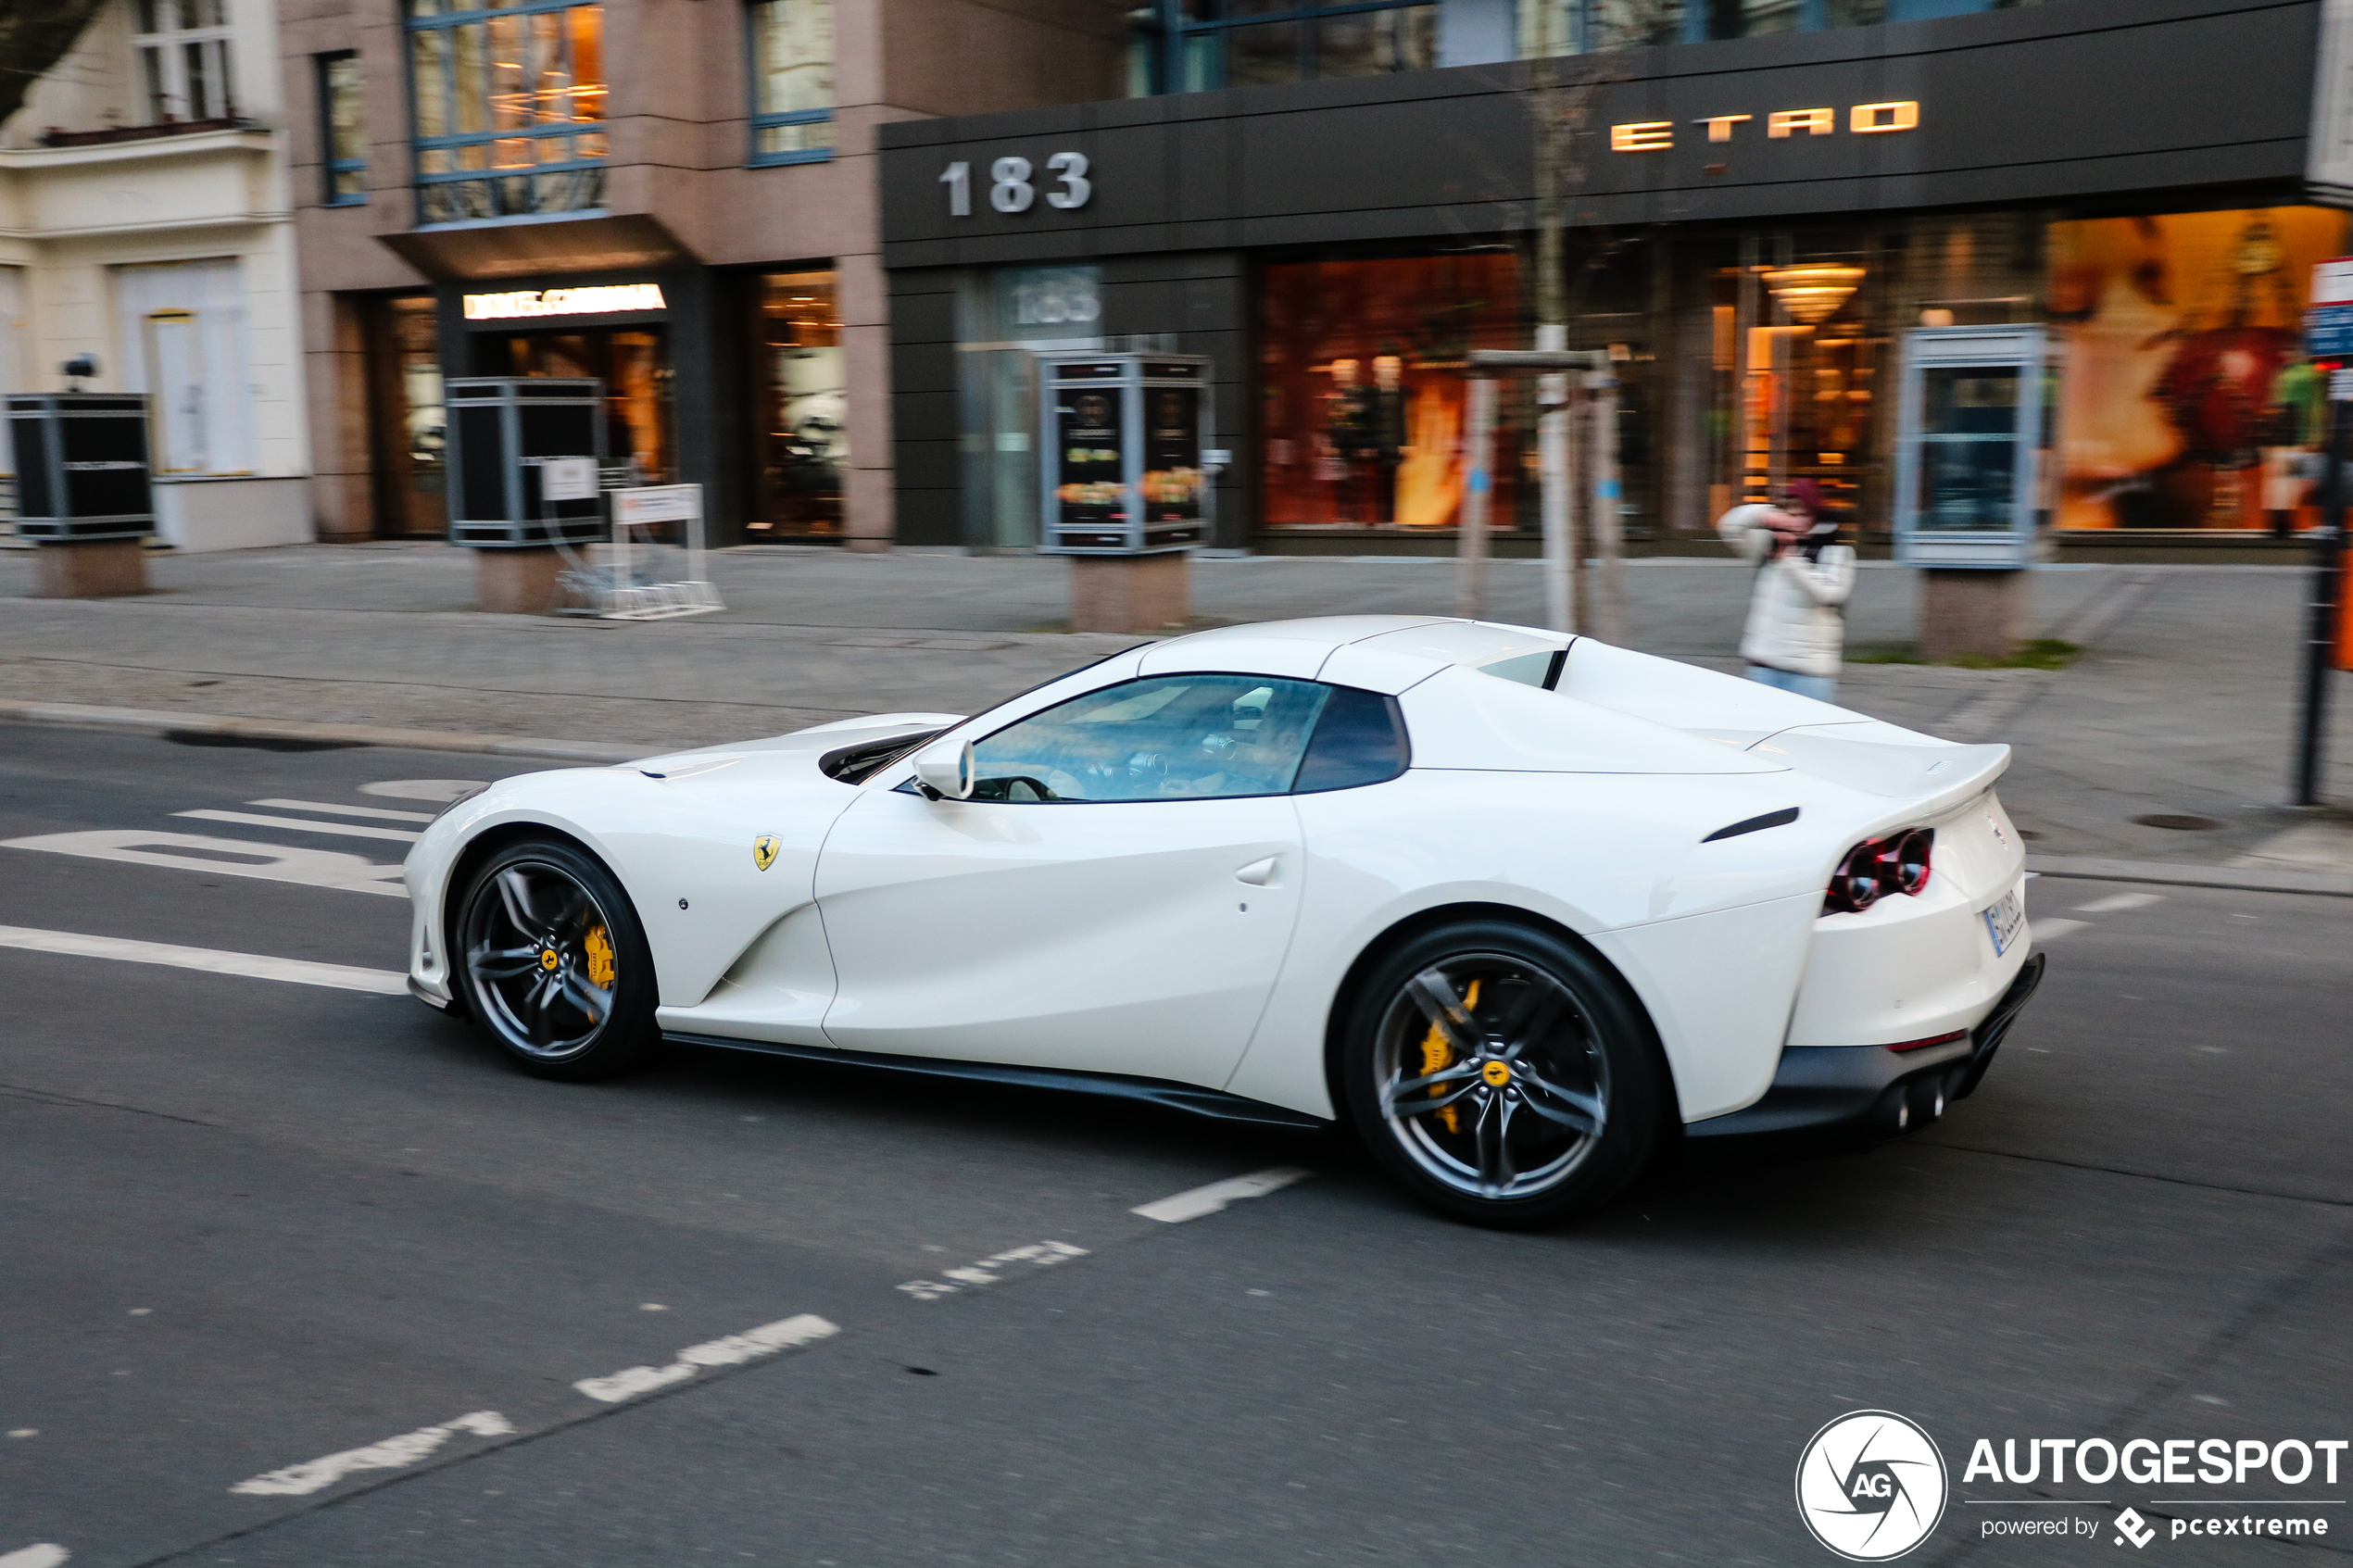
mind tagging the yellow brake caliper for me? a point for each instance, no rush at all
(1436, 1055)
(598, 945)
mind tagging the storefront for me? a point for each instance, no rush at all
(1757, 227)
(729, 378)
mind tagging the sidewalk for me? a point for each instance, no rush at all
(2185, 705)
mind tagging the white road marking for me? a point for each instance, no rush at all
(301, 972)
(42, 1556)
(347, 830)
(373, 813)
(442, 790)
(2117, 903)
(1179, 1207)
(299, 1480)
(1044, 1255)
(788, 1334)
(2052, 929)
(271, 862)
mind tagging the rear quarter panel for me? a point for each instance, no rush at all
(1712, 938)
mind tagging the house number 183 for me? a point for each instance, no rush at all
(1010, 189)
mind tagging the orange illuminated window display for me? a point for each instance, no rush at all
(1798, 369)
(2184, 394)
(1362, 384)
(634, 363)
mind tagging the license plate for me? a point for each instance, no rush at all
(2006, 919)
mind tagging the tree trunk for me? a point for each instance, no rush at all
(34, 36)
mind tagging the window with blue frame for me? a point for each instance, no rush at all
(508, 104)
(791, 54)
(1207, 44)
(1191, 45)
(343, 130)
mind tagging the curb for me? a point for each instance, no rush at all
(2172, 875)
(149, 721)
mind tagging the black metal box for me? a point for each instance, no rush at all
(501, 430)
(82, 465)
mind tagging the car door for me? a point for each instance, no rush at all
(1116, 898)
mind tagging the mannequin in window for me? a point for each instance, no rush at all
(1387, 431)
(1348, 425)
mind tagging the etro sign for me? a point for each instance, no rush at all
(1863, 119)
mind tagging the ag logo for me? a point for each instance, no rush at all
(1872, 1485)
(764, 851)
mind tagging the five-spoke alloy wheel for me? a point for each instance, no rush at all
(1501, 1073)
(555, 964)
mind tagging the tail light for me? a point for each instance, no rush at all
(1880, 868)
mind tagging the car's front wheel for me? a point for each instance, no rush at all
(1502, 1074)
(555, 964)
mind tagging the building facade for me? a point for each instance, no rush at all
(675, 196)
(146, 223)
(1766, 202)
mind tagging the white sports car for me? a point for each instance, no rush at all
(1518, 908)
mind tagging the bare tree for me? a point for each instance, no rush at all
(1561, 96)
(34, 36)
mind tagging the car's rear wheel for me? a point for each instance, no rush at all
(554, 962)
(1502, 1074)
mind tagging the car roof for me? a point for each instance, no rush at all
(1385, 652)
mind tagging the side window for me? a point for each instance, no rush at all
(1360, 739)
(1173, 737)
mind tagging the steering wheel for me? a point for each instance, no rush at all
(1004, 788)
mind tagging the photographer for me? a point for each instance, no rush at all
(1796, 632)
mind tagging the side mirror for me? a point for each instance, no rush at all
(944, 770)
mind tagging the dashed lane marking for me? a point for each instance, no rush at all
(2117, 903)
(301, 972)
(224, 856)
(45, 1555)
(1179, 1207)
(766, 1340)
(373, 813)
(989, 1270)
(2052, 929)
(299, 1480)
(345, 830)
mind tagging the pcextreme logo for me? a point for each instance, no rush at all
(1872, 1485)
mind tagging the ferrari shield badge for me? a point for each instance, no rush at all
(764, 851)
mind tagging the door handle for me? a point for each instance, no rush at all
(1259, 874)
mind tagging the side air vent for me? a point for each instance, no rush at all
(1779, 819)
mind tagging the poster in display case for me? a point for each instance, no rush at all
(1123, 474)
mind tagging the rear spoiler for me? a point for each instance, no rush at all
(1928, 778)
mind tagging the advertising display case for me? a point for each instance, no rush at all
(1972, 447)
(81, 463)
(501, 430)
(1120, 463)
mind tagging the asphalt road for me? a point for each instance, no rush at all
(248, 1224)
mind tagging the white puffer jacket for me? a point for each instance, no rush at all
(1794, 620)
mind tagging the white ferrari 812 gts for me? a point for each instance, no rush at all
(1519, 908)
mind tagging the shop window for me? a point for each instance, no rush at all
(509, 108)
(1210, 43)
(183, 54)
(1798, 358)
(343, 130)
(792, 80)
(634, 363)
(1005, 319)
(409, 426)
(1362, 378)
(801, 407)
(2185, 393)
